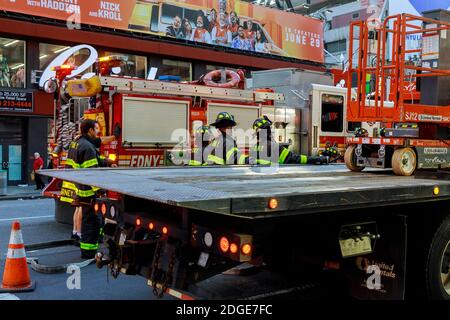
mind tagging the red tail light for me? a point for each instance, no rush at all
(224, 244)
(103, 209)
(138, 222)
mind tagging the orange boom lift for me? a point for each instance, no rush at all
(414, 130)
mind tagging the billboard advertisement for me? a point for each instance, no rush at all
(230, 23)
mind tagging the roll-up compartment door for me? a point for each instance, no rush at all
(154, 121)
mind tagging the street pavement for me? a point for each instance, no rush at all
(38, 225)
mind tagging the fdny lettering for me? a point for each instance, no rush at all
(145, 161)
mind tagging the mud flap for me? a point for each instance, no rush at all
(381, 274)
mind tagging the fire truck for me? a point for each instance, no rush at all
(153, 116)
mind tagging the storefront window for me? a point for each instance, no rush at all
(176, 68)
(210, 67)
(130, 65)
(48, 52)
(12, 63)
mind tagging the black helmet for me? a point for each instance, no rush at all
(224, 119)
(262, 123)
(205, 132)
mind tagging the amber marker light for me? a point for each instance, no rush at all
(246, 249)
(273, 203)
(436, 191)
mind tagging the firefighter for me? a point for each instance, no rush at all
(83, 154)
(223, 149)
(203, 137)
(265, 145)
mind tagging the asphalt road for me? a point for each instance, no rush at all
(38, 225)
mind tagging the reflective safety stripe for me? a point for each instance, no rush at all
(283, 156)
(16, 253)
(215, 143)
(86, 193)
(216, 160)
(95, 189)
(303, 159)
(101, 232)
(66, 199)
(231, 152)
(72, 163)
(89, 163)
(263, 161)
(242, 159)
(102, 157)
(195, 163)
(88, 246)
(69, 185)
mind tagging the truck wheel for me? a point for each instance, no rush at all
(350, 159)
(438, 264)
(404, 161)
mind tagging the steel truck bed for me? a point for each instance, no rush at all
(244, 191)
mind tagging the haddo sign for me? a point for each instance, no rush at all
(229, 23)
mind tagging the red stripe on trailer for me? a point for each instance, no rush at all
(325, 139)
(430, 143)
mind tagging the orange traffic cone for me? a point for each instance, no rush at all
(16, 276)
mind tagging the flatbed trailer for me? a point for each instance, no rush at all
(388, 236)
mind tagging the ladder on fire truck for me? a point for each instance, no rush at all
(129, 85)
(383, 72)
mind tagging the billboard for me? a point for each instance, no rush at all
(230, 23)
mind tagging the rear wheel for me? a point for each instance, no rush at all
(404, 161)
(350, 159)
(438, 264)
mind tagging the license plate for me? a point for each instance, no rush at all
(353, 247)
(123, 238)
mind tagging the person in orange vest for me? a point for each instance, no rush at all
(220, 33)
(212, 20)
(201, 33)
(234, 24)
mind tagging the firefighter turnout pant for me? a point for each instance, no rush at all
(90, 232)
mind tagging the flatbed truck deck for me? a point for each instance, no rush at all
(178, 226)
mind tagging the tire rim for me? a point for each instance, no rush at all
(407, 161)
(445, 263)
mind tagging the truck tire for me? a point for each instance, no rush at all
(350, 159)
(437, 269)
(404, 161)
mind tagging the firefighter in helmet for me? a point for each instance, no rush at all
(223, 149)
(202, 138)
(83, 154)
(266, 146)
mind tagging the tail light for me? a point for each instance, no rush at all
(151, 226)
(96, 207)
(103, 209)
(138, 222)
(165, 230)
(233, 248)
(246, 249)
(224, 244)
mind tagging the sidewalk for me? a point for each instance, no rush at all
(21, 192)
